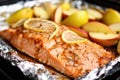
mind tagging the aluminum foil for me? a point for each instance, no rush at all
(37, 71)
(7, 10)
(31, 70)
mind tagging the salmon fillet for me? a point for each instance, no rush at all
(74, 60)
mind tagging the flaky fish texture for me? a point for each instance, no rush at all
(74, 60)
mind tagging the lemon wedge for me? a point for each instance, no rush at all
(69, 36)
(20, 14)
(78, 19)
(65, 6)
(111, 16)
(41, 25)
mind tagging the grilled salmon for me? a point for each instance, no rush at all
(74, 60)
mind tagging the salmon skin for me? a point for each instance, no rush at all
(74, 60)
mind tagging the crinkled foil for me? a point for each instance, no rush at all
(37, 71)
(6, 10)
(31, 70)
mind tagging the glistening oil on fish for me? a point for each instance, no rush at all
(74, 60)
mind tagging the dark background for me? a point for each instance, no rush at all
(106, 3)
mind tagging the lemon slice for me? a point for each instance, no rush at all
(69, 36)
(40, 25)
(19, 23)
(20, 14)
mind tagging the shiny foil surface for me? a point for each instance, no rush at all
(37, 71)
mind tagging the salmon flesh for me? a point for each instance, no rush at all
(74, 60)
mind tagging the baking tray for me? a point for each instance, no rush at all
(108, 72)
(9, 72)
(115, 4)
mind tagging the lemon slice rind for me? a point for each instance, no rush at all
(38, 29)
(72, 39)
